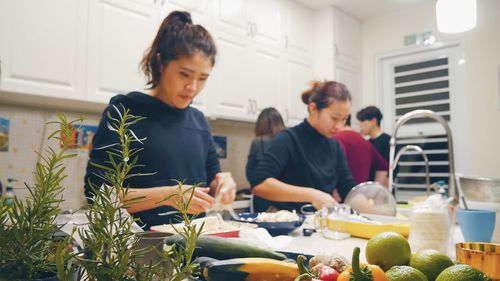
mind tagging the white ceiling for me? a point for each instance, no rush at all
(363, 9)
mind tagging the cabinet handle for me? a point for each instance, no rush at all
(249, 110)
(287, 116)
(255, 108)
(254, 29)
(335, 49)
(286, 41)
(249, 29)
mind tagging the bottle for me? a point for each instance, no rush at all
(441, 188)
(9, 192)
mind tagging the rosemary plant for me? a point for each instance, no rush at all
(27, 244)
(109, 242)
(180, 258)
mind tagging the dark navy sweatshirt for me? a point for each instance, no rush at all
(301, 156)
(179, 146)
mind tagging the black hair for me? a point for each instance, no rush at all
(176, 37)
(368, 113)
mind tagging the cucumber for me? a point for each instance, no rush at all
(225, 248)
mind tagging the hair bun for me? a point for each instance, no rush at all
(180, 17)
(306, 95)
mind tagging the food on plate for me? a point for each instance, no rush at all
(280, 216)
(212, 225)
(388, 249)
(361, 272)
(250, 269)
(430, 262)
(224, 248)
(404, 273)
(336, 261)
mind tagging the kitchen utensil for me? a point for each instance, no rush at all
(483, 256)
(479, 188)
(371, 198)
(274, 228)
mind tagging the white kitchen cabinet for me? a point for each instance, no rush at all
(266, 22)
(227, 88)
(298, 29)
(347, 39)
(266, 82)
(299, 74)
(120, 31)
(42, 49)
(347, 55)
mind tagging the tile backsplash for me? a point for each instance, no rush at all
(28, 133)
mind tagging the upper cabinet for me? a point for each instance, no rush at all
(43, 50)
(298, 29)
(91, 50)
(347, 39)
(120, 31)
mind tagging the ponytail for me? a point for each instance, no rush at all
(177, 37)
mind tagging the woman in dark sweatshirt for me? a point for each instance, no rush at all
(304, 164)
(179, 144)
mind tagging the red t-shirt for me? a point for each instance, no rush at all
(361, 155)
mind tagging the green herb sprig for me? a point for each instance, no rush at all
(27, 245)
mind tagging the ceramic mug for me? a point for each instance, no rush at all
(477, 225)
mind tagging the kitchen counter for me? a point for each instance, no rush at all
(315, 243)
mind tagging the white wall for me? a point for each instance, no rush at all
(384, 34)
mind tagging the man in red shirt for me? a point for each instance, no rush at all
(361, 155)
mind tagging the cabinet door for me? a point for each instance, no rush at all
(299, 21)
(231, 16)
(352, 80)
(42, 49)
(266, 19)
(299, 75)
(228, 85)
(347, 37)
(120, 32)
(266, 81)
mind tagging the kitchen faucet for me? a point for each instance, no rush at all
(395, 163)
(419, 113)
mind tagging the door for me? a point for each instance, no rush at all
(120, 32)
(428, 79)
(266, 18)
(299, 29)
(42, 50)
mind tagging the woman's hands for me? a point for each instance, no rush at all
(201, 200)
(320, 198)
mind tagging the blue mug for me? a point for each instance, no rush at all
(476, 225)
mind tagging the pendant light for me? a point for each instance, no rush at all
(455, 16)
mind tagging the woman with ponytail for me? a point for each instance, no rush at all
(304, 164)
(179, 144)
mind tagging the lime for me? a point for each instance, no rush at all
(430, 262)
(388, 249)
(462, 272)
(405, 273)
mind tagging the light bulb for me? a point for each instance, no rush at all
(455, 16)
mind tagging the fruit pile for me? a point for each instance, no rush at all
(392, 253)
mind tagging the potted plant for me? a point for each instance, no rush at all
(110, 246)
(28, 245)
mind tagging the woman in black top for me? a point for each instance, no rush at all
(304, 164)
(269, 123)
(179, 144)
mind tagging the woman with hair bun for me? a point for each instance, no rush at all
(179, 144)
(304, 164)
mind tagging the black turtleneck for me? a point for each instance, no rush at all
(301, 156)
(179, 146)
